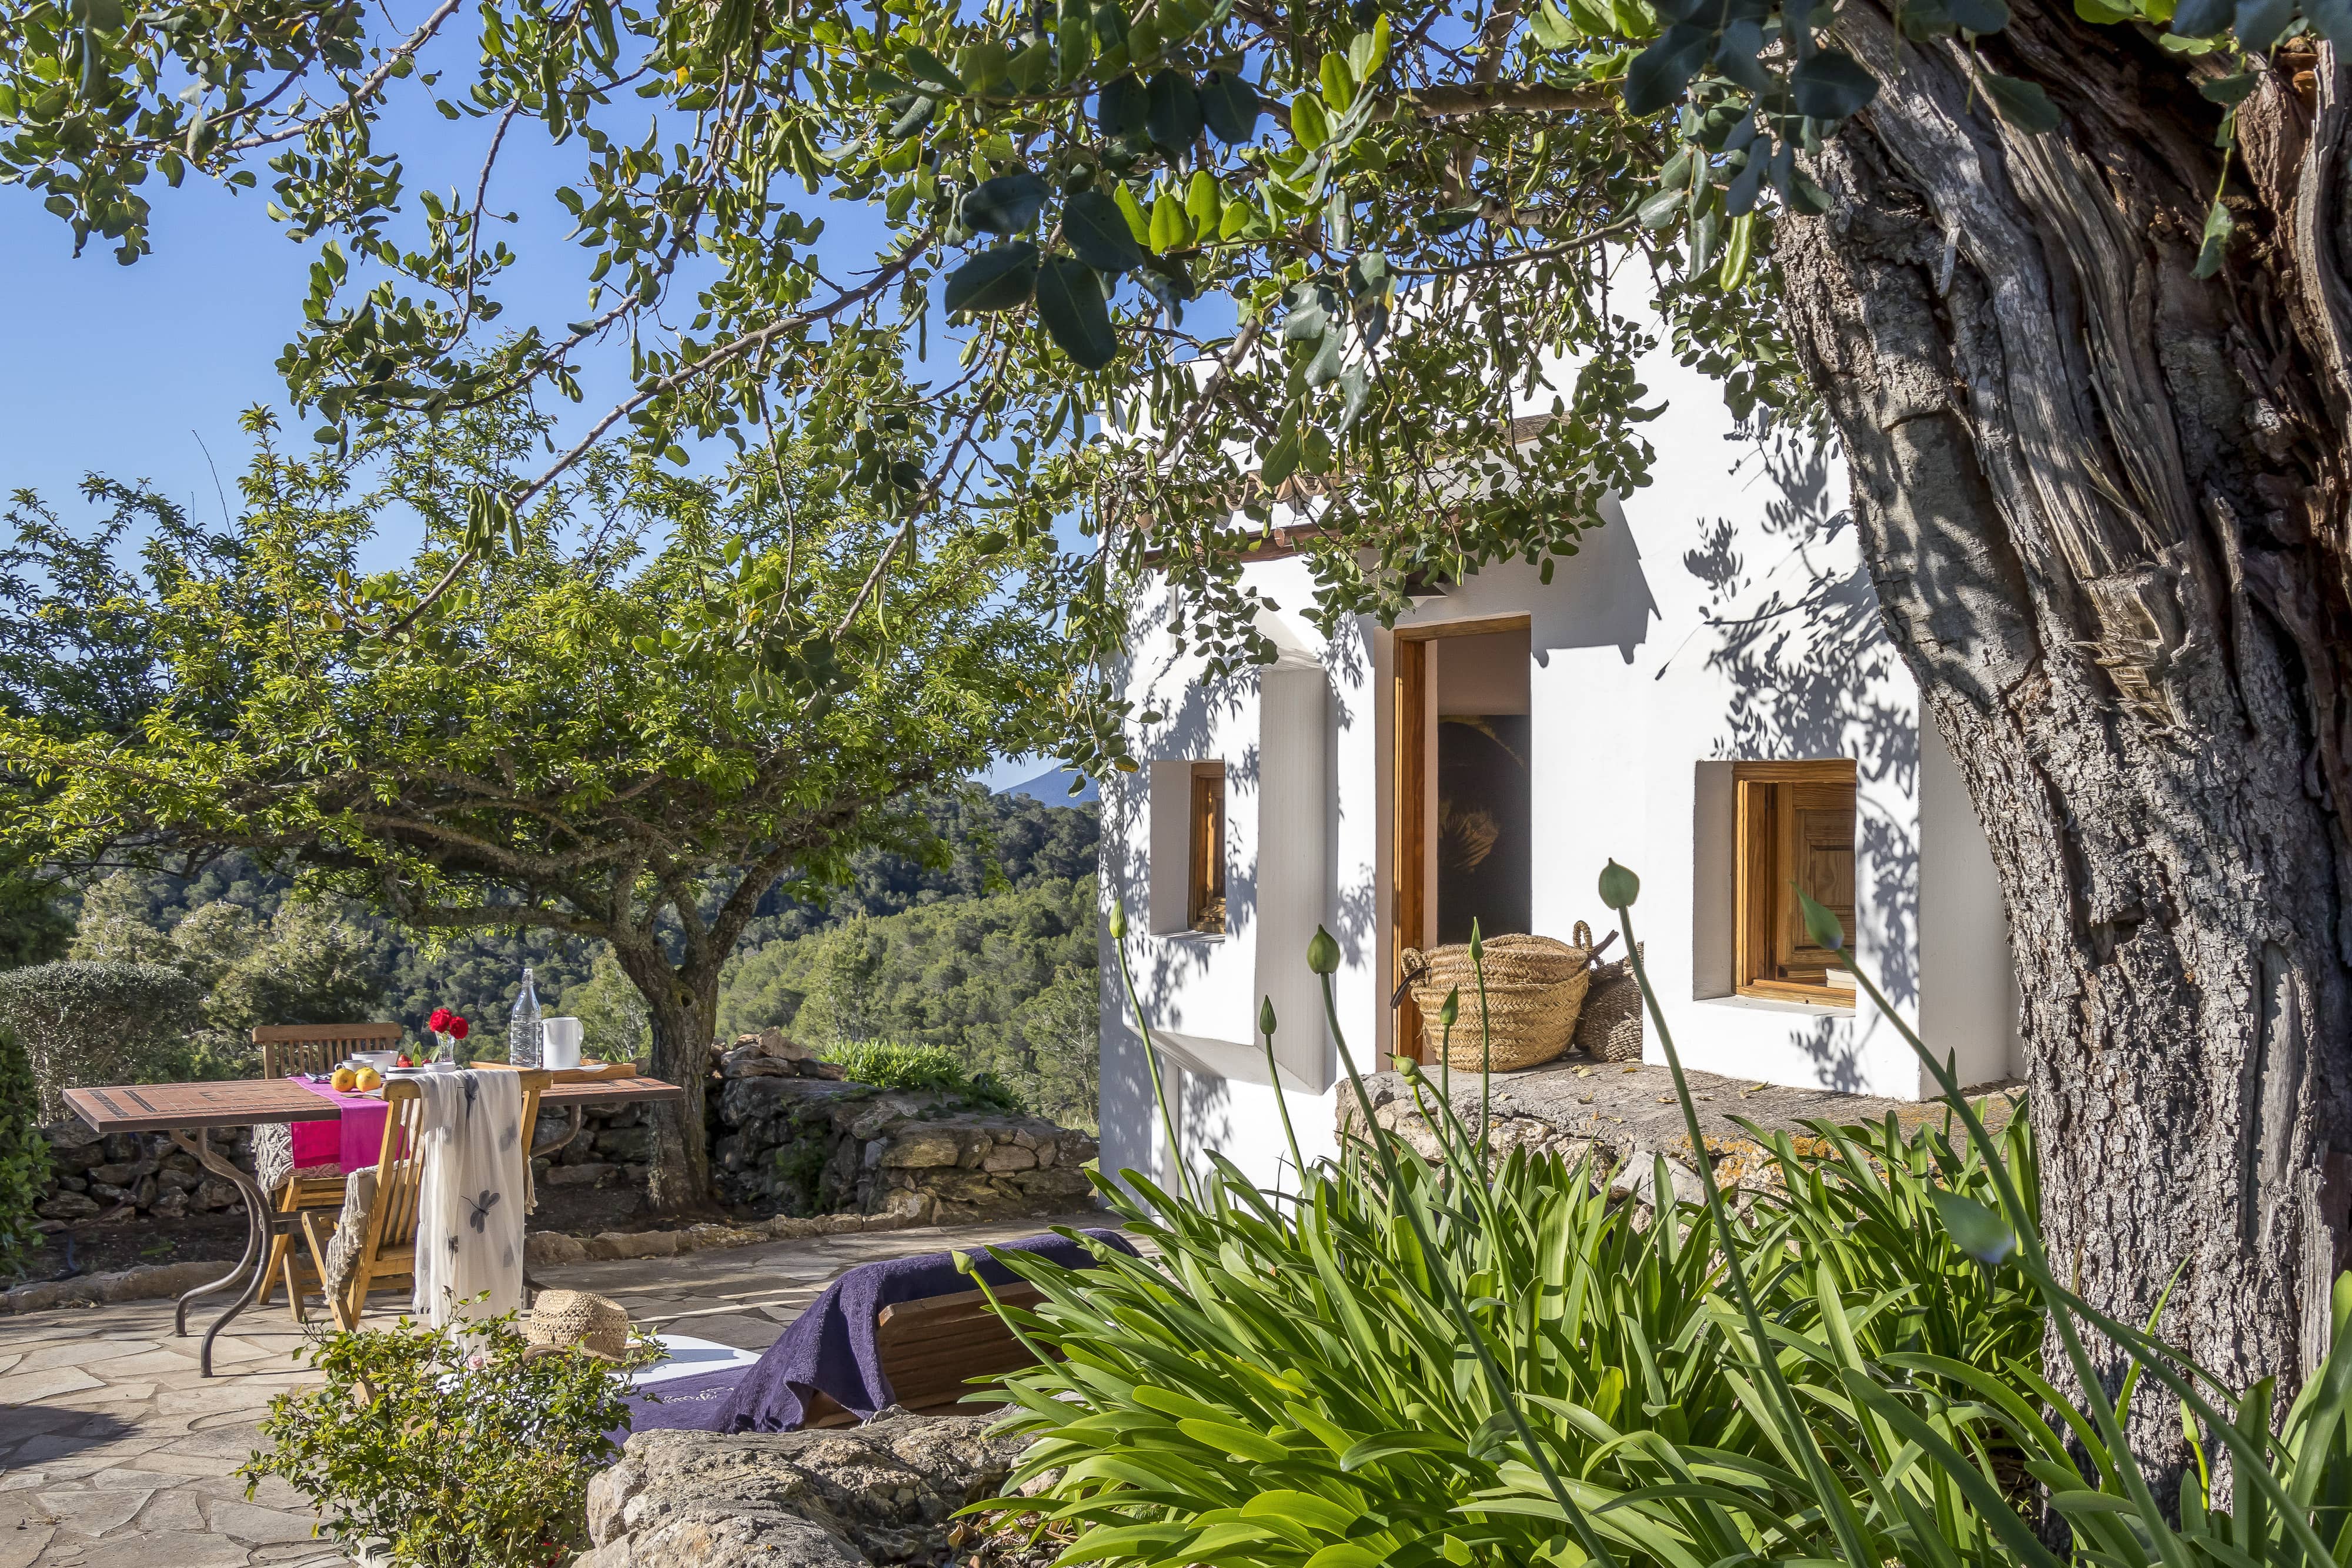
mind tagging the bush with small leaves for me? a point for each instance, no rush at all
(455, 1448)
(99, 1023)
(24, 1154)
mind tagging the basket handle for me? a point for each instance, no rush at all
(1411, 964)
(1605, 941)
(1584, 935)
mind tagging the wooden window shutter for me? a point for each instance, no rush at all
(1795, 826)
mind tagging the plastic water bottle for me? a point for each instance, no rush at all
(524, 1037)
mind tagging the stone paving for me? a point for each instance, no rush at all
(114, 1454)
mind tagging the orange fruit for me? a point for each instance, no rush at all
(369, 1078)
(344, 1080)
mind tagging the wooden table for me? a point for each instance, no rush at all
(182, 1109)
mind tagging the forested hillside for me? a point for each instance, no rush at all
(986, 949)
(1006, 981)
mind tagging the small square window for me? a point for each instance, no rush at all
(1793, 827)
(1205, 875)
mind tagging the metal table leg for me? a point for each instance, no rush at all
(201, 1150)
(258, 1231)
(579, 1120)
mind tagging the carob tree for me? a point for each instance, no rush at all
(1335, 275)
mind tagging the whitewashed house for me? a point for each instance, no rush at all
(1709, 677)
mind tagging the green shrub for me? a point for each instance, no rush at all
(455, 1448)
(24, 1153)
(1288, 1348)
(892, 1065)
(1461, 1364)
(87, 1024)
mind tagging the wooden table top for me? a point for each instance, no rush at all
(250, 1102)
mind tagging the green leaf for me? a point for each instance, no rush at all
(1173, 121)
(1346, 1554)
(1552, 27)
(1662, 209)
(2333, 20)
(2260, 23)
(1338, 83)
(1659, 73)
(1168, 231)
(1073, 40)
(1093, 226)
(2102, 13)
(2228, 90)
(2219, 227)
(1308, 126)
(1139, 227)
(1832, 85)
(1121, 107)
(1281, 459)
(1203, 202)
(1974, 1229)
(1006, 204)
(1238, 1441)
(2021, 103)
(996, 280)
(1368, 51)
(1229, 107)
(926, 66)
(1070, 304)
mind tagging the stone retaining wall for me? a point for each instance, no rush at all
(1624, 1116)
(803, 1146)
(117, 1179)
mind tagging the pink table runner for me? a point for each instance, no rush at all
(352, 1141)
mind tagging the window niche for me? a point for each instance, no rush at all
(1793, 826)
(1188, 848)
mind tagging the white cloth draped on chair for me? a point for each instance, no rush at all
(474, 1193)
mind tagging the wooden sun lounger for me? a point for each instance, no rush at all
(931, 1347)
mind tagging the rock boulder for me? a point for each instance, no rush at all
(882, 1493)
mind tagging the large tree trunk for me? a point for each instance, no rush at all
(683, 1008)
(2105, 504)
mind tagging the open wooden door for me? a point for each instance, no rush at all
(1408, 818)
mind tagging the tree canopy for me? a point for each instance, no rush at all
(581, 740)
(1259, 246)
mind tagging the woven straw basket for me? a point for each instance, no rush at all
(1610, 1027)
(1535, 986)
(578, 1320)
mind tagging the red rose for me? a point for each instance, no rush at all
(439, 1021)
(458, 1026)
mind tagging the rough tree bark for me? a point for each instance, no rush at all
(682, 1005)
(2105, 506)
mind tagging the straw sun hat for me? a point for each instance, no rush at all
(578, 1320)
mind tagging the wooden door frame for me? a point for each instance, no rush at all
(1411, 766)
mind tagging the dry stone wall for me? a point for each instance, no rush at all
(121, 1176)
(789, 1141)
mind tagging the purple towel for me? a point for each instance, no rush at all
(682, 1404)
(830, 1347)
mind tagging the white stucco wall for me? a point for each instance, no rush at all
(1722, 614)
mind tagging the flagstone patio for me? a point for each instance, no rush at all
(114, 1453)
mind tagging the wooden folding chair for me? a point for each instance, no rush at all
(931, 1347)
(290, 1048)
(387, 1249)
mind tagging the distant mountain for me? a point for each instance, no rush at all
(1054, 787)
